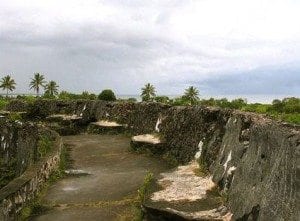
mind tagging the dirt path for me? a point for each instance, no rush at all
(105, 194)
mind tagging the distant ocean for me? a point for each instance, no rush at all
(253, 98)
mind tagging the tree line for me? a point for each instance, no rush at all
(287, 109)
(38, 81)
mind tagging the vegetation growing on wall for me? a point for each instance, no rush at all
(45, 145)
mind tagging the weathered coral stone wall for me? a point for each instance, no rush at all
(253, 159)
(16, 152)
(22, 168)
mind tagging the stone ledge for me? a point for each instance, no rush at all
(105, 123)
(63, 117)
(168, 214)
(148, 142)
(106, 127)
(147, 138)
(184, 195)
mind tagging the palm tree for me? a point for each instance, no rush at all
(51, 89)
(8, 84)
(148, 92)
(37, 81)
(191, 95)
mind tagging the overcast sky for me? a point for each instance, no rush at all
(232, 47)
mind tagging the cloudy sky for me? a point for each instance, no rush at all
(232, 47)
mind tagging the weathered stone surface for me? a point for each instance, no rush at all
(65, 124)
(22, 162)
(253, 159)
(147, 138)
(17, 152)
(259, 173)
(148, 142)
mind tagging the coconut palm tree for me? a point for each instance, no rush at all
(148, 92)
(191, 95)
(51, 88)
(8, 84)
(37, 81)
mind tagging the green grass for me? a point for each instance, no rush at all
(293, 118)
(45, 145)
(15, 117)
(3, 103)
(143, 191)
(35, 208)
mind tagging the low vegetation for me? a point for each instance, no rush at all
(143, 193)
(3, 103)
(64, 95)
(45, 145)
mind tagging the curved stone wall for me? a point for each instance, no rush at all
(24, 169)
(253, 159)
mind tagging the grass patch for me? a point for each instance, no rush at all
(45, 145)
(15, 117)
(3, 103)
(143, 193)
(144, 189)
(33, 209)
(293, 118)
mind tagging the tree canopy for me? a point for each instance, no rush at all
(7, 83)
(107, 95)
(148, 92)
(51, 89)
(37, 81)
(191, 95)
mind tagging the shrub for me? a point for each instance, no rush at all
(180, 101)
(107, 95)
(64, 95)
(132, 99)
(162, 99)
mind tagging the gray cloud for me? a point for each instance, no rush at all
(282, 81)
(124, 44)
